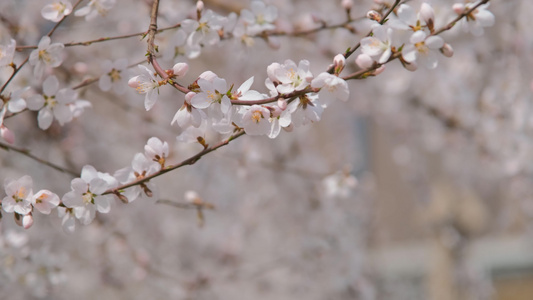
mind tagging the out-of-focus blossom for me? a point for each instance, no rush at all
(57, 10)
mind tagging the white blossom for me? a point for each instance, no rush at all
(114, 77)
(423, 48)
(95, 8)
(86, 197)
(57, 10)
(18, 195)
(146, 83)
(46, 54)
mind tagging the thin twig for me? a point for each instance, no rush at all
(27, 153)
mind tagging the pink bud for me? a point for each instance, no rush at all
(180, 69)
(192, 197)
(200, 5)
(134, 82)
(24, 220)
(7, 134)
(339, 60)
(412, 66)
(364, 61)
(282, 103)
(458, 8)
(276, 111)
(27, 221)
(447, 50)
(426, 13)
(347, 4)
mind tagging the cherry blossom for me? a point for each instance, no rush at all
(331, 84)
(148, 84)
(379, 45)
(204, 31)
(95, 8)
(188, 115)
(45, 201)
(18, 195)
(305, 109)
(424, 48)
(287, 77)
(259, 17)
(114, 76)
(477, 19)
(46, 54)
(86, 197)
(212, 93)
(255, 120)
(141, 166)
(57, 10)
(61, 104)
(156, 150)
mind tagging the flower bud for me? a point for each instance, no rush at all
(275, 111)
(192, 197)
(7, 134)
(200, 5)
(446, 50)
(427, 14)
(180, 69)
(458, 8)
(282, 103)
(347, 4)
(374, 15)
(24, 220)
(364, 61)
(412, 66)
(134, 82)
(339, 60)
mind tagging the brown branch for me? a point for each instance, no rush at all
(189, 161)
(27, 153)
(459, 17)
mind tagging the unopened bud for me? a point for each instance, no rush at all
(275, 111)
(458, 8)
(192, 197)
(339, 60)
(427, 14)
(24, 220)
(200, 5)
(412, 66)
(282, 103)
(374, 15)
(446, 50)
(122, 198)
(180, 69)
(7, 134)
(347, 4)
(364, 61)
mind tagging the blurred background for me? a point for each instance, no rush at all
(418, 187)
